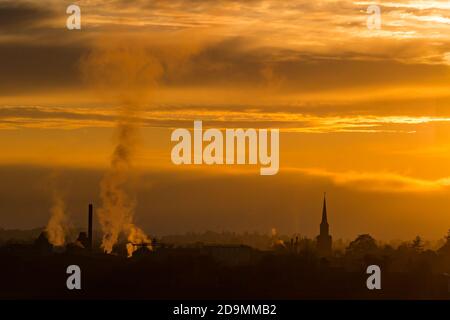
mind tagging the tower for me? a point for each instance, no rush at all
(324, 238)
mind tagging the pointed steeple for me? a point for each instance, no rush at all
(324, 240)
(324, 209)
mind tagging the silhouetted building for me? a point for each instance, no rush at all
(42, 245)
(324, 238)
(141, 249)
(83, 239)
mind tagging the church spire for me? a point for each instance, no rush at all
(324, 240)
(324, 209)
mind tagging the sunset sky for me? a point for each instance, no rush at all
(363, 114)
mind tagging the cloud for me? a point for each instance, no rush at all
(266, 45)
(160, 117)
(200, 201)
(31, 68)
(22, 15)
(384, 182)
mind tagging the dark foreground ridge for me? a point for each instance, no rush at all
(296, 268)
(223, 272)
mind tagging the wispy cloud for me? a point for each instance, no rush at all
(379, 181)
(72, 118)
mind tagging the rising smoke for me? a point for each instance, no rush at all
(128, 72)
(118, 202)
(57, 226)
(276, 241)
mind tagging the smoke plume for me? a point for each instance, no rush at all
(56, 226)
(128, 74)
(276, 241)
(127, 71)
(118, 202)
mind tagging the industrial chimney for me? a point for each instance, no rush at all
(90, 227)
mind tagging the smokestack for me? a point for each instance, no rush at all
(90, 227)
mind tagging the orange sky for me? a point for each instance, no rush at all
(364, 114)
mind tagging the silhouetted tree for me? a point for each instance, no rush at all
(417, 244)
(363, 244)
(445, 249)
(360, 252)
